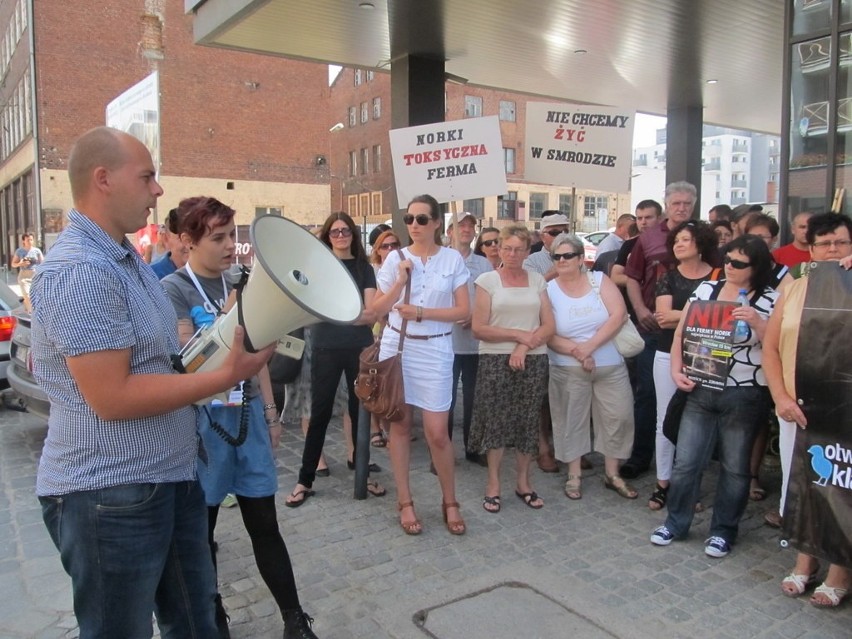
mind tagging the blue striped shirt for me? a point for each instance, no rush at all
(92, 294)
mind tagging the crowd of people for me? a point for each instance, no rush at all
(531, 335)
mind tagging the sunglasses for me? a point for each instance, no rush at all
(565, 256)
(388, 246)
(490, 242)
(344, 232)
(422, 219)
(554, 233)
(737, 264)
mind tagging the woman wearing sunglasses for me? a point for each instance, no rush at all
(439, 297)
(336, 350)
(488, 245)
(588, 377)
(732, 416)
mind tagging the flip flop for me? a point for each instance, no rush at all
(494, 502)
(529, 498)
(304, 493)
(376, 489)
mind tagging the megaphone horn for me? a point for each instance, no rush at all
(296, 281)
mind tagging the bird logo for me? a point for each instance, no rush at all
(820, 464)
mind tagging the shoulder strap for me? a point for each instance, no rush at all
(405, 300)
(714, 275)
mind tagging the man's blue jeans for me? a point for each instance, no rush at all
(733, 417)
(132, 550)
(645, 405)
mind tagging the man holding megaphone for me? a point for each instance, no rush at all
(117, 476)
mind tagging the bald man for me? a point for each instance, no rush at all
(116, 479)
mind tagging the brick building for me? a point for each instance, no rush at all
(362, 175)
(251, 130)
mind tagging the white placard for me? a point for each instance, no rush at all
(589, 147)
(457, 160)
(137, 112)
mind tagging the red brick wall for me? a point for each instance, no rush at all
(224, 114)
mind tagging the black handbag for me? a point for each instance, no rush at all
(674, 412)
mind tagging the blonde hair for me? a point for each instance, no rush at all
(515, 230)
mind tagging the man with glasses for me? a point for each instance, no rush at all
(648, 262)
(465, 345)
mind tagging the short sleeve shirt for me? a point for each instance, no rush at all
(464, 343)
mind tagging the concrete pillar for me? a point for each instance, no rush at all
(683, 147)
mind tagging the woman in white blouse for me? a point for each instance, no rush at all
(439, 297)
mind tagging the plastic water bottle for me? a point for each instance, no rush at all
(741, 330)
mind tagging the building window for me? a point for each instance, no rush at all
(365, 112)
(268, 210)
(353, 163)
(507, 110)
(365, 160)
(477, 206)
(509, 159)
(370, 75)
(377, 158)
(377, 108)
(472, 106)
(507, 206)
(538, 204)
(364, 204)
(352, 204)
(565, 205)
(353, 116)
(593, 203)
(377, 203)
(359, 77)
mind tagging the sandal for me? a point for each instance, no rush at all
(530, 499)
(412, 527)
(378, 440)
(833, 596)
(620, 486)
(491, 504)
(296, 494)
(756, 492)
(454, 526)
(794, 585)
(376, 489)
(573, 487)
(658, 498)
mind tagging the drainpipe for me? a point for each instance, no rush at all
(34, 120)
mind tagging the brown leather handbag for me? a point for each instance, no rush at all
(379, 384)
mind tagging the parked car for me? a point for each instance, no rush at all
(9, 303)
(21, 379)
(590, 244)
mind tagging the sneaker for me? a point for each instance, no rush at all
(230, 501)
(662, 536)
(716, 547)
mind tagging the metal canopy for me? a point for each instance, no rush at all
(644, 54)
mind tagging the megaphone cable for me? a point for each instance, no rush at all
(242, 433)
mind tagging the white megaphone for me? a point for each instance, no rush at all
(295, 281)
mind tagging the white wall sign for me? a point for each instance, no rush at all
(457, 160)
(589, 147)
(137, 112)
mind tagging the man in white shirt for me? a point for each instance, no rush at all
(614, 240)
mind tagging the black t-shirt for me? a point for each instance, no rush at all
(621, 260)
(336, 336)
(681, 289)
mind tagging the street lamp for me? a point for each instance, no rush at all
(337, 127)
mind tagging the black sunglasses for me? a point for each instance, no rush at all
(737, 264)
(422, 219)
(565, 256)
(554, 233)
(490, 242)
(344, 232)
(389, 246)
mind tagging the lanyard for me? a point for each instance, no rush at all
(200, 289)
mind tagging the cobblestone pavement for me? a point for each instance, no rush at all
(585, 564)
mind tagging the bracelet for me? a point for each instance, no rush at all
(273, 423)
(270, 407)
(419, 317)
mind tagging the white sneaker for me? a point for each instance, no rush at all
(662, 536)
(716, 547)
(230, 501)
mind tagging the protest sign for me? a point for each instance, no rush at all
(708, 333)
(450, 161)
(576, 145)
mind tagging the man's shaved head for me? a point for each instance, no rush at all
(101, 146)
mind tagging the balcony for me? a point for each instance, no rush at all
(713, 165)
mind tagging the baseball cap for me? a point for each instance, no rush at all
(554, 220)
(462, 215)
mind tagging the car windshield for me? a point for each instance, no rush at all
(8, 298)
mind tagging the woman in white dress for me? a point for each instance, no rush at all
(439, 297)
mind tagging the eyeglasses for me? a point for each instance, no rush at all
(565, 256)
(344, 232)
(513, 249)
(737, 264)
(490, 242)
(422, 219)
(389, 246)
(553, 233)
(833, 243)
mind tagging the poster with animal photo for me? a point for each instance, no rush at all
(708, 336)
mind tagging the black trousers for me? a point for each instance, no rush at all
(326, 367)
(464, 367)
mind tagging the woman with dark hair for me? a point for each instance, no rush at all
(487, 245)
(336, 350)
(724, 232)
(239, 435)
(692, 245)
(439, 297)
(731, 416)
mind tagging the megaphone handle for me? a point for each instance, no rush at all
(239, 289)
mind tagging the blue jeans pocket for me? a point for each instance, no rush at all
(127, 497)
